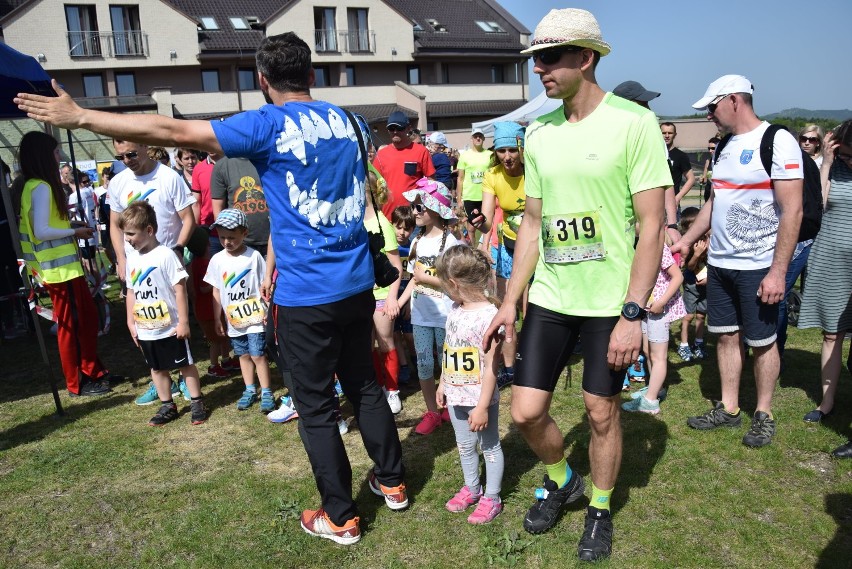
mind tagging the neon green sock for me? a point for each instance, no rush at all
(559, 472)
(600, 498)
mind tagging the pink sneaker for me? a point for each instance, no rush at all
(445, 415)
(485, 511)
(462, 500)
(428, 423)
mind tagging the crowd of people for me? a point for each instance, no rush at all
(594, 254)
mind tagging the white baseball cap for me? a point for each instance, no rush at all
(438, 137)
(724, 85)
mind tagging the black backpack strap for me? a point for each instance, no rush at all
(720, 145)
(767, 146)
(364, 158)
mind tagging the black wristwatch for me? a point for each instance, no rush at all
(179, 250)
(672, 226)
(632, 311)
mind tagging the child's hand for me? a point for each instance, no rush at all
(182, 331)
(391, 309)
(440, 398)
(699, 246)
(266, 288)
(131, 327)
(656, 307)
(220, 329)
(478, 419)
(420, 272)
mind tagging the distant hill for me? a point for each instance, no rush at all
(796, 113)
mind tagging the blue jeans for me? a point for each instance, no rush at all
(794, 270)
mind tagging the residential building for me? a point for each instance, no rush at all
(446, 63)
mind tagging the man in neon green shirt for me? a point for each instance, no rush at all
(472, 166)
(593, 166)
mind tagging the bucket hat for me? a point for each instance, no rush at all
(435, 196)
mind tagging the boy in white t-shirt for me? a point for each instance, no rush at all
(236, 274)
(158, 311)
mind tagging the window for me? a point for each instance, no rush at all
(126, 30)
(240, 24)
(83, 38)
(436, 25)
(497, 74)
(93, 85)
(490, 27)
(321, 76)
(125, 83)
(247, 79)
(414, 75)
(445, 73)
(325, 32)
(350, 75)
(358, 36)
(209, 23)
(210, 80)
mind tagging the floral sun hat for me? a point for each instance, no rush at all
(435, 196)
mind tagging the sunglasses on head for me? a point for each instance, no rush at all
(811, 139)
(129, 155)
(554, 54)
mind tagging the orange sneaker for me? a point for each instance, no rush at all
(317, 522)
(396, 497)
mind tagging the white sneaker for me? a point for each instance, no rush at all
(283, 414)
(394, 402)
(343, 426)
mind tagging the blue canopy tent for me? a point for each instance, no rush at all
(21, 73)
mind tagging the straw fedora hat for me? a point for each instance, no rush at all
(570, 26)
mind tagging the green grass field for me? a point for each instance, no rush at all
(99, 488)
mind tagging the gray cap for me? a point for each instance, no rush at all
(634, 91)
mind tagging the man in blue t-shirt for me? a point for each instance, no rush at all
(308, 158)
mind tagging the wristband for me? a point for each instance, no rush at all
(672, 226)
(179, 250)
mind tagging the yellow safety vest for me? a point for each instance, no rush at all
(55, 260)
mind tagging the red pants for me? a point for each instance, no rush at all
(76, 331)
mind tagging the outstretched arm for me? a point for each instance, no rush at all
(155, 130)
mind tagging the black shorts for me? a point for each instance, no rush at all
(546, 342)
(166, 354)
(469, 206)
(733, 305)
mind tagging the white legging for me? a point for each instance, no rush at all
(489, 442)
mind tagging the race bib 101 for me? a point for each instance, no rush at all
(151, 315)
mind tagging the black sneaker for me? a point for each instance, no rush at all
(198, 414)
(596, 542)
(761, 432)
(715, 417)
(545, 512)
(168, 412)
(92, 389)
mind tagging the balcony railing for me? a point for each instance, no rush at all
(108, 44)
(345, 41)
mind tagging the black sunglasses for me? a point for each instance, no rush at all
(711, 108)
(418, 207)
(554, 54)
(394, 128)
(811, 139)
(129, 155)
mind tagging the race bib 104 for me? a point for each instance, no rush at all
(461, 365)
(151, 315)
(572, 238)
(245, 313)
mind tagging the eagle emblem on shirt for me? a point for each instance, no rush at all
(753, 228)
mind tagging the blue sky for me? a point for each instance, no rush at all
(795, 53)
